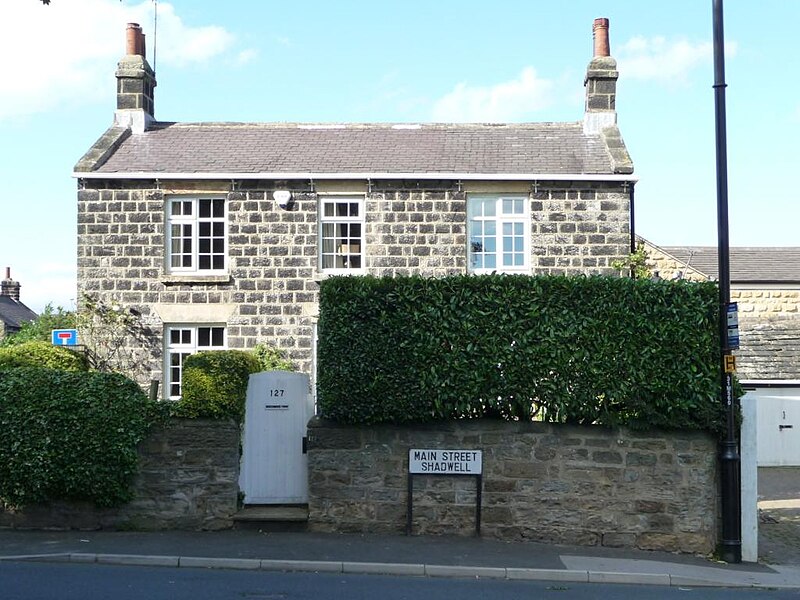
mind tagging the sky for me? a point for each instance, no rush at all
(405, 61)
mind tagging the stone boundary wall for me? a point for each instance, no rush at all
(583, 485)
(188, 479)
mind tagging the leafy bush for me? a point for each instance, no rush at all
(214, 384)
(272, 359)
(612, 351)
(42, 354)
(41, 327)
(69, 436)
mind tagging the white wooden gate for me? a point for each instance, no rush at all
(778, 426)
(274, 466)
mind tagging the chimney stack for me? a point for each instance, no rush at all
(600, 83)
(9, 287)
(136, 81)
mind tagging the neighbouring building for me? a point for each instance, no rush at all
(13, 313)
(765, 283)
(218, 234)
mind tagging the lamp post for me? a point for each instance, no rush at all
(729, 449)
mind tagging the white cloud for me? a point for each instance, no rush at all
(245, 56)
(180, 44)
(507, 101)
(665, 61)
(63, 53)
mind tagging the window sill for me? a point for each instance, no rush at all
(323, 275)
(195, 278)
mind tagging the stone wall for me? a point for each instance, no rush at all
(188, 479)
(271, 291)
(545, 483)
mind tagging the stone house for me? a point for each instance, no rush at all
(218, 234)
(765, 282)
(13, 313)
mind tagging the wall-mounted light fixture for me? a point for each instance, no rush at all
(282, 197)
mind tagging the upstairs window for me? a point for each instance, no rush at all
(197, 235)
(182, 341)
(498, 229)
(342, 234)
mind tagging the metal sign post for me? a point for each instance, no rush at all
(445, 462)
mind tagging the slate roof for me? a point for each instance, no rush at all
(770, 349)
(271, 148)
(747, 264)
(14, 313)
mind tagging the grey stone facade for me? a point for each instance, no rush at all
(415, 180)
(270, 291)
(546, 483)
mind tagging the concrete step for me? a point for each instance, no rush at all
(272, 517)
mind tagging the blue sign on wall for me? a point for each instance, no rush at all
(65, 337)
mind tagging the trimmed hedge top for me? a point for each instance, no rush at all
(214, 384)
(42, 354)
(612, 351)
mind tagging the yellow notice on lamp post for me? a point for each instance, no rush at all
(730, 363)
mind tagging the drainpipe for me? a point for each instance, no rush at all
(633, 220)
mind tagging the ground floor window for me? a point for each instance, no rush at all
(183, 340)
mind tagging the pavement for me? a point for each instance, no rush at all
(390, 554)
(440, 556)
(779, 515)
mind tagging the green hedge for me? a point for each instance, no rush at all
(42, 354)
(69, 436)
(613, 351)
(214, 384)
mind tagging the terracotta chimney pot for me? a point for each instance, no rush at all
(601, 44)
(133, 40)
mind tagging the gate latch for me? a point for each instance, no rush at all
(782, 427)
(305, 443)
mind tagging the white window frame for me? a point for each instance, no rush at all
(190, 223)
(345, 248)
(188, 343)
(508, 219)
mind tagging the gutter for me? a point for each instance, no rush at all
(751, 384)
(369, 175)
